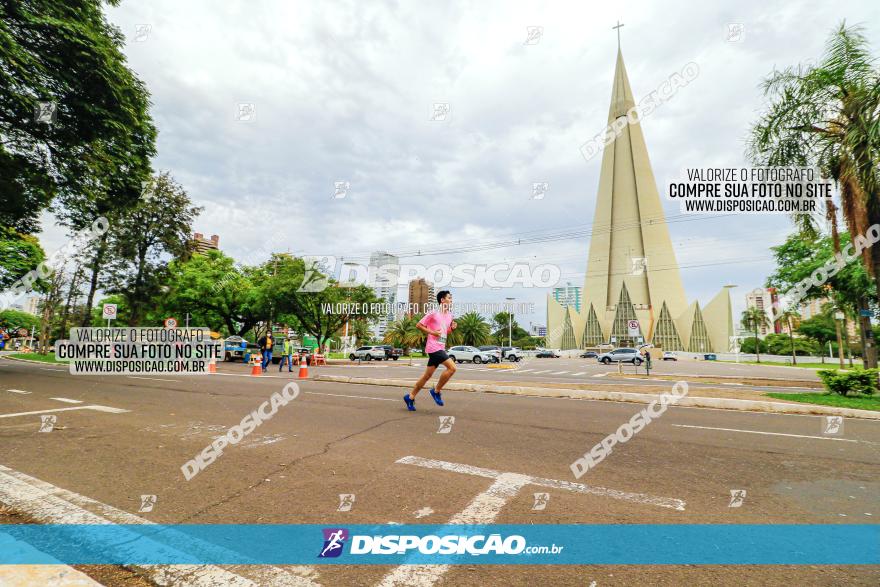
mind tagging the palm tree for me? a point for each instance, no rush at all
(472, 330)
(359, 329)
(754, 319)
(788, 315)
(828, 116)
(403, 333)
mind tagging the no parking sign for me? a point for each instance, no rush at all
(170, 322)
(633, 327)
(109, 311)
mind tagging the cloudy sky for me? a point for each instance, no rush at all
(344, 91)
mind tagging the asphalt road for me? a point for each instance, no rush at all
(349, 439)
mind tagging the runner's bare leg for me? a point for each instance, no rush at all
(447, 374)
(422, 381)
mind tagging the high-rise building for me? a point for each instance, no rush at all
(421, 293)
(632, 289)
(32, 305)
(568, 296)
(812, 308)
(538, 330)
(763, 300)
(202, 245)
(384, 273)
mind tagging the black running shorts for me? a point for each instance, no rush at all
(437, 358)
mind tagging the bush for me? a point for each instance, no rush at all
(857, 381)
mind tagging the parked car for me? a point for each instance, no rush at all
(495, 351)
(589, 355)
(670, 356)
(621, 355)
(547, 354)
(469, 353)
(511, 353)
(391, 352)
(368, 353)
(234, 348)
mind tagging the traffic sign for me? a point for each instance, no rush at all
(170, 322)
(633, 327)
(109, 311)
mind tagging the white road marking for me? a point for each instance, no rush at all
(559, 373)
(600, 374)
(47, 369)
(155, 379)
(67, 400)
(524, 370)
(21, 391)
(95, 408)
(486, 506)
(54, 505)
(766, 433)
(384, 399)
(578, 373)
(536, 372)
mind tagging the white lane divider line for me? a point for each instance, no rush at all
(536, 372)
(93, 407)
(383, 399)
(48, 369)
(53, 505)
(486, 506)
(154, 379)
(578, 373)
(766, 433)
(600, 374)
(67, 400)
(559, 373)
(524, 370)
(21, 391)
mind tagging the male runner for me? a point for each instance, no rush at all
(437, 325)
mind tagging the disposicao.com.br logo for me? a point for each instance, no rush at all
(450, 544)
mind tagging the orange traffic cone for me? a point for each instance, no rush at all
(256, 366)
(212, 366)
(303, 369)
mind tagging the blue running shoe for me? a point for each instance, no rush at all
(436, 395)
(410, 403)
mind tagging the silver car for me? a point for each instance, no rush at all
(621, 355)
(469, 353)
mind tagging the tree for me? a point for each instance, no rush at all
(754, 319)
(160, 223)
(13, 320)
(787, 317)
(66, 55)
(19, 253)
(214, 292)
(751, 345)
(505, 324)
(828, 116)
(819, 328)
(472, 330)
(404, 333)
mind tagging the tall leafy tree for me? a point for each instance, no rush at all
(472, 330)
(67, 100)
(19, 253)
(156, 229)
(828, 115)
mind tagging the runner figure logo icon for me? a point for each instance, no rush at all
(334, 541)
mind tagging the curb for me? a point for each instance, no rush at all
(621, 396)
(66, 364)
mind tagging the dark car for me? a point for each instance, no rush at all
(547, 354)
(391, 352)
(589, 355)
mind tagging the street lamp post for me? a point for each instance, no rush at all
(510, 324)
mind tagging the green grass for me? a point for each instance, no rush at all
(860, 402)
(50, 358)
(835, 364)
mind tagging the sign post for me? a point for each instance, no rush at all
(109, 312)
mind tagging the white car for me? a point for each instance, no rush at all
(670, 356)
(622, 355)
(368, 353)
(469, 353)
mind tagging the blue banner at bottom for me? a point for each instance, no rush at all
(501, 544)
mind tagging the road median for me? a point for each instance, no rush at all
(780, 407)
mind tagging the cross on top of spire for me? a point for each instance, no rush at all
(619, 24)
